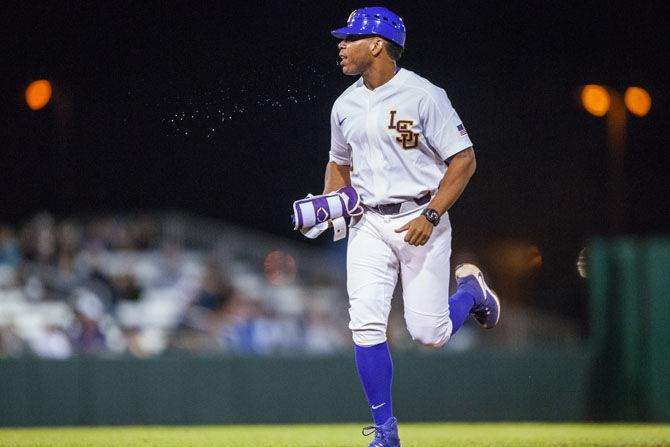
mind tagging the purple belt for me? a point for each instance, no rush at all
(395, 208)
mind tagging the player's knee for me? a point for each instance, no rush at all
(366, 332)
(430, 337)
(432, 344)
(368, 337)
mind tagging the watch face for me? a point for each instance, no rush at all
(432, 216)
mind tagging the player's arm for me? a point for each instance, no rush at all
(461, 168)
(337, 176)
(339, 158)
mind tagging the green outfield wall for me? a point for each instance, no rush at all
(537, 385)
(630, 322)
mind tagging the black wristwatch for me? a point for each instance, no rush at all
(432, 216)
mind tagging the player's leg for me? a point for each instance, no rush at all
(372, 272)
(432, 317)
(424, 272)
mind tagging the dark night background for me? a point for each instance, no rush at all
(221, 109)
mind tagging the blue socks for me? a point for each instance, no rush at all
(461, 303)
(375, 368)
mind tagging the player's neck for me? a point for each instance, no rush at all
(378, 74)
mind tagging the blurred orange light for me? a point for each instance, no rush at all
(595, 99)
(517, 258)
(38, 94)
(637, 100)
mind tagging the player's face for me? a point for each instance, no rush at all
(355, 54)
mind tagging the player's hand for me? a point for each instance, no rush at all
(418, 231)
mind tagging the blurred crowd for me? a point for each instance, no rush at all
(120, 286)
(133, 285)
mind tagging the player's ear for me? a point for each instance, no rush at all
(377, 46)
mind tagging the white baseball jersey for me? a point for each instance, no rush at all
(396, 137)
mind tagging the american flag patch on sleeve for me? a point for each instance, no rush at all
(461, 130)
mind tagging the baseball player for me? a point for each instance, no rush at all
(399, 144)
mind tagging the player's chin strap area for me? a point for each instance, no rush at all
(315, 214)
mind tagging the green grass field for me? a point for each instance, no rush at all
(412, 435)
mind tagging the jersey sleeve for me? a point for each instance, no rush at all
(340, 152)
(443, 129)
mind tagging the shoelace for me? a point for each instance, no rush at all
(377, 429)
(482, 307)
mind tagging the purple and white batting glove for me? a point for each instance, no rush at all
(314, 210)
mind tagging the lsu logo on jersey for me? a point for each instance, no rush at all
(409, 139)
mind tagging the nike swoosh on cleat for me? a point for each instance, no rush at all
(481, 278)
(374, 407)
(342, 120)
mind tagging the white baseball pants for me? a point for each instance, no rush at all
(376, 255)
